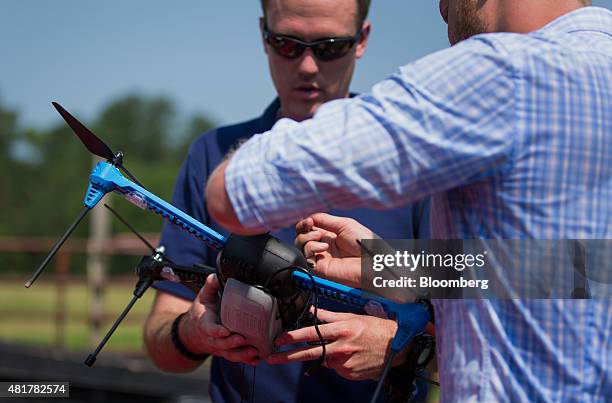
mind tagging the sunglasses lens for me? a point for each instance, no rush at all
(285, 46)
(325, 50)
(332, 50)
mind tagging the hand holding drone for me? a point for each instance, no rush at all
(266, 285)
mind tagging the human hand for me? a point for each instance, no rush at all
(357, 348)
(202, 332)
(331, 243)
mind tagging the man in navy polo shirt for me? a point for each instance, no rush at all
(305, 77)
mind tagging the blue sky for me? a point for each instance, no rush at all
(205, 55)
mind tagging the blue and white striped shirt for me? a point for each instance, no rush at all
(511, 135)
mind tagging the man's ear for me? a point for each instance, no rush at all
(262, 23)
(363, 40)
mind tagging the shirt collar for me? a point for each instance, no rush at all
(267, 120)
(583, 19)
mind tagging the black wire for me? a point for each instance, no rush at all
(242, 375)
(315, 304)
(428, 380)
(381, 381)
(132, 177)
(253, 385)
(131, 228)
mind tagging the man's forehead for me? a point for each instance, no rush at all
(316, 17)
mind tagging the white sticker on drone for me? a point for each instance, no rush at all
(136, 200)
(168, 274)
(374, 308)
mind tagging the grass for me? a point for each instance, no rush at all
(28, 316)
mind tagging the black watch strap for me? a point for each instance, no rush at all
(178, 344)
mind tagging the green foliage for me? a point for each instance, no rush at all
(42, 193)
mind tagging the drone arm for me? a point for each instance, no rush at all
(105, 178)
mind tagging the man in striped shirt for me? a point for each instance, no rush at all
(510, 132)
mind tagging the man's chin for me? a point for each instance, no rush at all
(304, 111)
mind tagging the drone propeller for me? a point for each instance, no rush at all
(94, 144)
(91, 141)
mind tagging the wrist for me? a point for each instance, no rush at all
(181, 332)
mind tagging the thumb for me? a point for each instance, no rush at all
(208, 293)
(328, 222)
(304, 226)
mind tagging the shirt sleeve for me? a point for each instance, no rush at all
(438, 123)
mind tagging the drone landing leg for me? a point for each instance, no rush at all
(142, 285)
(57, 246)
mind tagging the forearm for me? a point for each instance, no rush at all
(158, 340)
(220, 207)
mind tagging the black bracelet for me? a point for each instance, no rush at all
(178, 344)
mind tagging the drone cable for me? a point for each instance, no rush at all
(428, 380)
(58, 245)
(381, 381)
(132, 177)
(131, 228)
(253, 385)
(315, 293)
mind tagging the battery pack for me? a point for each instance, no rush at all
(252, 313)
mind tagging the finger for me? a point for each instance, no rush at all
(430, 328)
(331, 317)
(328, 332)
(304, 226)
(303, 239)
(312, 248)
(211, 326)
(246, 354)
(300, 354)
(329, 222)
(338, 225)
(346, 271)
(208, 293)
(226, 343)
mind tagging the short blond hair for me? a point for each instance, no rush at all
(363, 6)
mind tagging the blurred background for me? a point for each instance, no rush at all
(148, 77)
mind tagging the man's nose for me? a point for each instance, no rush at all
(308, 63)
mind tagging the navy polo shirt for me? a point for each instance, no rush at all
(235, 382)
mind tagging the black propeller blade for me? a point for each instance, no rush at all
(91, 141)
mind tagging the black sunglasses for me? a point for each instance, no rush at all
(324, 49)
